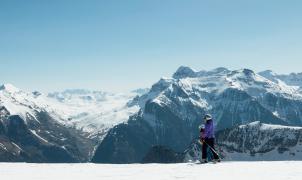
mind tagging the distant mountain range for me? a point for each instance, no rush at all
(82, 125)
(69, 124)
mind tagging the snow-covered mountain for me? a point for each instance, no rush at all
(94, 112)
(292, 79)
(78, 119)
(222, 88)
(255, 141)
(173, 109)
(28, 132)
(127, 125)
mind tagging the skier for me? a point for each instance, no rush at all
(201, 140)
(208, 139)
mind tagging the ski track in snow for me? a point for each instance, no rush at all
(277, 170)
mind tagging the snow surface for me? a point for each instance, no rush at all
(93, 112)
(264, 126)
(293, 79)
(278, 170)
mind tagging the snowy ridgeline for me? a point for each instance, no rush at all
(222, 171)
(92, 112)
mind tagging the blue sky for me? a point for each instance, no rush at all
(118, 45)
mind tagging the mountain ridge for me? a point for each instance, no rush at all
(154, 117)
(176, 105)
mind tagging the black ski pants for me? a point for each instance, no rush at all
(208, 142)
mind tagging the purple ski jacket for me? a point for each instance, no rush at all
(209, 129)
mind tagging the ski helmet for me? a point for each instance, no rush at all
(207, 117)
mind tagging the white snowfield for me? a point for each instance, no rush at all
(276, 170)
(92, 112)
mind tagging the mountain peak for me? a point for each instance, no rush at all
(184, 72)
(267, 73)
(220, 69)
(270, 75)
(141, 91)
(243, 73)
(9, 88)
(248, 72)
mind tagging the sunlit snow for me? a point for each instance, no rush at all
(282, 170)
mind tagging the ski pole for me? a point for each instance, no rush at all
(211, 148)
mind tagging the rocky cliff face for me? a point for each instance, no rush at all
(161, 154)
(40, 141)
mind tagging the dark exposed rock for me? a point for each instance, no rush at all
(161, 154)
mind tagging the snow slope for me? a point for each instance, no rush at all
(93, 112)
(17, 102)
(225, 170)
(292, 79)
